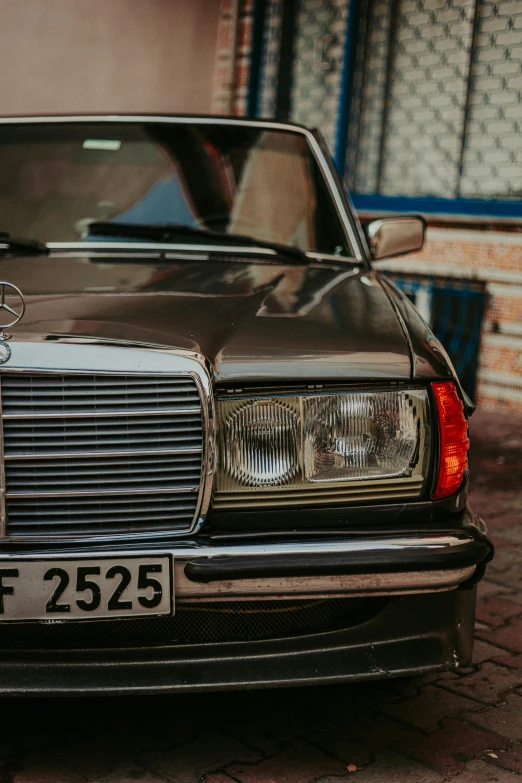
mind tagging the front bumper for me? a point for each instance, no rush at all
(411, 635)
(426, 623)
(343, 565)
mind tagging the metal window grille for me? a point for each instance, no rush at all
(437, 101)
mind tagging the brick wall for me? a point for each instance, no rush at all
(245, 24)
(494, 257)
(225, 64)
(233, 58)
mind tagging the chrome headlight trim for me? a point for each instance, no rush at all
(302, 490)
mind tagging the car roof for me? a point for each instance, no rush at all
(207, 119)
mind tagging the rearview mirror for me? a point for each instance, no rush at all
(395, 236)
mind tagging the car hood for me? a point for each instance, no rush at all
(252, 320)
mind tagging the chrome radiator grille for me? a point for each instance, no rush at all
(88, 455)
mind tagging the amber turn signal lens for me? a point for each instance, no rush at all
(453, 439)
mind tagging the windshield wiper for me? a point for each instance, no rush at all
(169, 232)
(11, 245)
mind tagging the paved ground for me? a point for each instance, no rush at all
(466, 728)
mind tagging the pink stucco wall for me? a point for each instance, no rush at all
(61, 56)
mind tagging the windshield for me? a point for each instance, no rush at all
(57, 178)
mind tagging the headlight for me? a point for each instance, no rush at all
(322, 447)
(349, 437)
(261, 443)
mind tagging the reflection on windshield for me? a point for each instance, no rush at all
(55, 179)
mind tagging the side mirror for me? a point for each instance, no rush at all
(395, 236)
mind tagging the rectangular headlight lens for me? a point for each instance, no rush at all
(270, 444)
(362, 435)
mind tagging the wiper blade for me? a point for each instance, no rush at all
(11, 245)
(169, 232)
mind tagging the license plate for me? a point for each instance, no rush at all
(83, 589)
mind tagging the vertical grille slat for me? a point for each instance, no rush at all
(95, 455)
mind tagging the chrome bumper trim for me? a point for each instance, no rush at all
(339, 586)
(397, 582)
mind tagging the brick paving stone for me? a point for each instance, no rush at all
(486, 588)
(29, 745)
(505, 719)
(358, 742)
(268, 730)
(514, 661)
(488, 684)
(429, 708)
(390, 768)
(180, 719)
(214, 777)
(132, 773)
(210, 751)
(482, 652)
(46, 773)
(448, 749)
(511, 759)
(496, 610)
(340, 703)
(506, 567)
(480, 772)
(508, 636)
(298, 763)
(96, 756)
(516, 597)
(514, 532)
(411, 686)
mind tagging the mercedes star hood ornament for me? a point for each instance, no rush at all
(9, 315)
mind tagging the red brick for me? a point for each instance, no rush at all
(448, 749)
(429, 708)
(97, 756)
(511, 760)
(266, 731)
(514, 661)
(506, 556)
(510, 577)
(511, 534)
(300, 763)
(388, 767)
(481, 772)
(486, 588)
(46, 774)
(509, 637)
(209, 751)
(130, 773)
(339, 704)
(505, 719)
(482, 651)
(486, 685)
(358, 741)
(495, 610)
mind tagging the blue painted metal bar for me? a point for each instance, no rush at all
(458, 328)
(431, 205)
(350, 42)
(472, 348)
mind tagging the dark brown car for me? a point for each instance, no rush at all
(232, 453)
